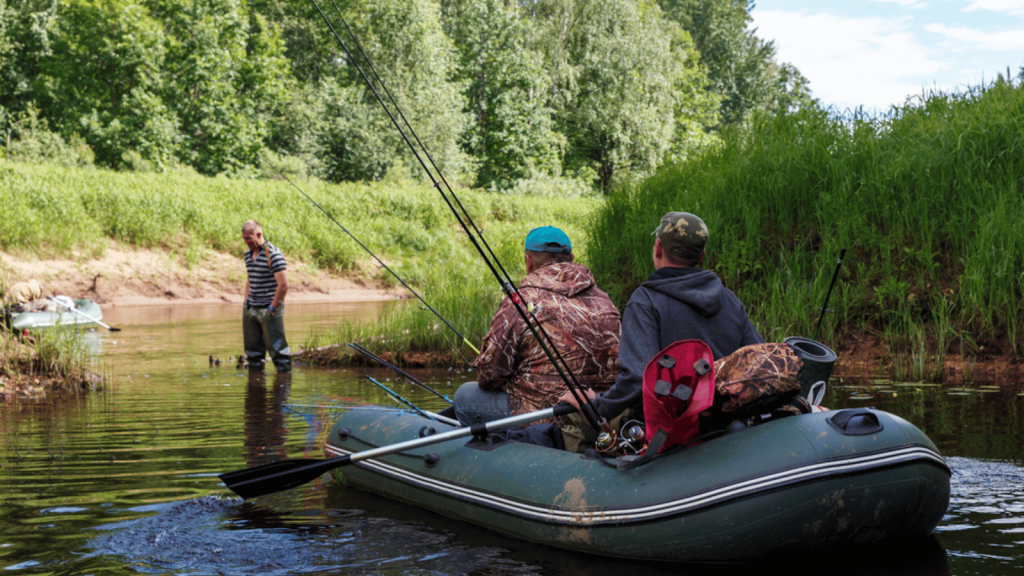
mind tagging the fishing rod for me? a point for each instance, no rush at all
(368, 251)
(400, 372)
(505, 276)
(476, 238)
(824, 307)
(430, 157)
(400, 400)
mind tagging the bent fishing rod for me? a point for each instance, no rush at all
(368, 251)
(476, 237)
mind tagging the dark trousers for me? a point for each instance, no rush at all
(263, 333)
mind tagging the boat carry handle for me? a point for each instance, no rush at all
(856, 422)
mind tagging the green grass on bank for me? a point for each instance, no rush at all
(57, 358)
(928, 199)
(53, 209)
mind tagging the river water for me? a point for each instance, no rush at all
(124, 481)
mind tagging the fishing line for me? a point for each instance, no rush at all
(379, 261)
(503, 278)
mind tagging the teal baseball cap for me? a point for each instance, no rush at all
(548, 239)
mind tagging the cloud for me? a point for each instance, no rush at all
(906, 3)
(874, 62)
(999, 41)
(1007, 6)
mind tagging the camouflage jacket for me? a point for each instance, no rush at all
(580, 319)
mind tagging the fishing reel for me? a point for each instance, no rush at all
(631, 439)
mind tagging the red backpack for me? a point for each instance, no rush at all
(678, 384)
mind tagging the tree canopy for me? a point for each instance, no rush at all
(500, 92)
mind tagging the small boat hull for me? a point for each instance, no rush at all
(59, 317)
(792, 485)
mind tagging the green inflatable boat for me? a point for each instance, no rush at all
(799, 484)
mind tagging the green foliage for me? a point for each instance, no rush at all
(742, 69)
(103, 79)
(926, 198)
(226, 78)
(619, 76)
(514, 97)
(512, 135)
(32, 141)
(408, 50)
(149, 83)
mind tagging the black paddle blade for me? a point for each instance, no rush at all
(278, 476)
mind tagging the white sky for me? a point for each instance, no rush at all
(878, 53)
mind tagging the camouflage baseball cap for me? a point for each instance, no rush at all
(682, 234)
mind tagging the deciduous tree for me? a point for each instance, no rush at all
(511, 135)
(625, 83)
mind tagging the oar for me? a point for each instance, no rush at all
(83, 314)
(287, 474)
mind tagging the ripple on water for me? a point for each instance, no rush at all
(986, 511)
(213, 535)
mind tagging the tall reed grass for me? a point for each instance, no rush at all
(928, 198)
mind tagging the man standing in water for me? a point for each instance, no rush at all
(263, 311)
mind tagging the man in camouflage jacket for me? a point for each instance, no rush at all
(515, 376)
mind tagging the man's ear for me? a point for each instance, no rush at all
(658, 250)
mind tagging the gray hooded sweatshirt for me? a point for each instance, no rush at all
(674, 304)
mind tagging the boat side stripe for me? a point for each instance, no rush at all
(682, 505)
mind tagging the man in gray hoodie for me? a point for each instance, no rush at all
(679, 301)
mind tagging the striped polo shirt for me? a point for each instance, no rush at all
(262, 283)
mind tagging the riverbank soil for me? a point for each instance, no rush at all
(865, 357)
(128, 276)
(124, 275)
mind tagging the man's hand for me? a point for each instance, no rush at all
(570, 398)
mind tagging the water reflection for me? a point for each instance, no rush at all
(266, 434)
